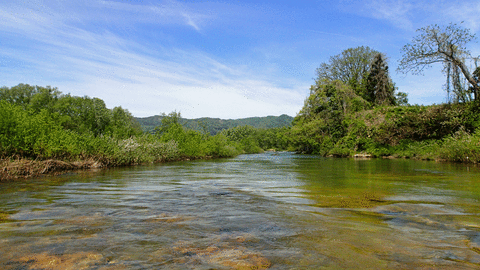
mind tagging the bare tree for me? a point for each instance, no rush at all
(444, 45)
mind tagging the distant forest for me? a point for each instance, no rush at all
(215, 125)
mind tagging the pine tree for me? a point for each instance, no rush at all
(379, 88)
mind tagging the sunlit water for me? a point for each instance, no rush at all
(267, 211)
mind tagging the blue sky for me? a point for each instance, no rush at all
(225, 59)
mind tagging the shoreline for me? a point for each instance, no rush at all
(23, 168)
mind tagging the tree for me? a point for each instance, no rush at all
(83, 114)
(19, 95)
(168, 121)
(123, 125)
(379, 87)
(328, 105)
(31, 97)
(351, 67)
(44, 98)
(401, 99)
(456, 85)
(445, 45)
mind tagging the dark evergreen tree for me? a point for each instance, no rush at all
(379, 89)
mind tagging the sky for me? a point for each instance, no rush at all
(223, 59)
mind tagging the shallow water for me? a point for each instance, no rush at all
(267, 211)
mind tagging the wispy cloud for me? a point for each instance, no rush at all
(353, 38)
(395, 11)
(165, 12)
(410, 15)
(146, 80)
(465, 11)
(190, 21)
(45, 13)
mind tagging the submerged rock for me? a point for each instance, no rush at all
(81, 260)
(228, 254)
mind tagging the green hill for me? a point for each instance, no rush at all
(215, 125)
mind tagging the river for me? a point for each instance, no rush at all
(265, 211)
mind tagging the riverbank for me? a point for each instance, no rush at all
(22, 168)
(25, 168)
(447, 132)
(460, 147)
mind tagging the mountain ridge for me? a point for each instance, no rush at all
(215, 125)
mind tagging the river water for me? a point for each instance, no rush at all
(265, 211)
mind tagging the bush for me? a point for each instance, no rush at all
(144, 149)
(461, 147)
(220, 146)
(20, 131)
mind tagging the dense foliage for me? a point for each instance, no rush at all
(363, 70)
(83, 115)
(42, 123)
(366, 117)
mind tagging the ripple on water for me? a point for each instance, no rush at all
(250, 212)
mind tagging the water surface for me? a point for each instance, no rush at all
(266, 211)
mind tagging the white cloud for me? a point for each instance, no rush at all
(166, 12)
(145, 80)
(395, 11)
(410, 15)
(209, 98)
(46, 13)
(465, 11)
(190, 21)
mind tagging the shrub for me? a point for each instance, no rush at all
(461, 147)
(220, 146)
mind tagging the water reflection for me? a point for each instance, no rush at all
(409, 214)
(274, 210)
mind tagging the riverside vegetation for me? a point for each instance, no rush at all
(353, 108)
(43, 130)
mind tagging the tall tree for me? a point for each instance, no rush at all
(379, 87)
(445, 45)
(351, 67)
